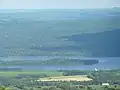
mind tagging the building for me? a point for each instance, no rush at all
(105, 84)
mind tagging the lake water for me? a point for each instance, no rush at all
(104, 63)
(43, 34)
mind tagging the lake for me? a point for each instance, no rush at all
(104, 63)
(45, 34)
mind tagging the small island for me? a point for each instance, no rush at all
(70, 62)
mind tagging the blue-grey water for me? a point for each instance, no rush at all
(104, 63)
(45, 34)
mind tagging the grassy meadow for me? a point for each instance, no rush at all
(15, 73)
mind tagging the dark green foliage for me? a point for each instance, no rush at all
(31, 76)
(45, 88)
(73, 72)
(110, 76)
(10, 69)
(89, 88)
(111, 89)
(52, 88)
(99, 77)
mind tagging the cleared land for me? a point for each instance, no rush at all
(66, 78)
(15, 73)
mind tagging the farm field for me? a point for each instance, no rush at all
(66, 78)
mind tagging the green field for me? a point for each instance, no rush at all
(60, 80)
(15, 73)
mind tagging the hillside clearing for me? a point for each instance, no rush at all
(66, 78)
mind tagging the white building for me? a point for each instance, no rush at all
(105, 84)
(96, 69)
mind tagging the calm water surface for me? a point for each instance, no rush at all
(105, 63)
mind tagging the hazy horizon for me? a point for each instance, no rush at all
(58, 4)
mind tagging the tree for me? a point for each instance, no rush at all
(2, 88)
(63, 86)
(89, 88)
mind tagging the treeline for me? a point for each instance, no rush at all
(110, 76)
(73, 72)
(62, 86)
(10, 69)
(98, 77)
(20, 76)
(29, 82)
(69, 87)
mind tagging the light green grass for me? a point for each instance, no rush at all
(15, 73)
